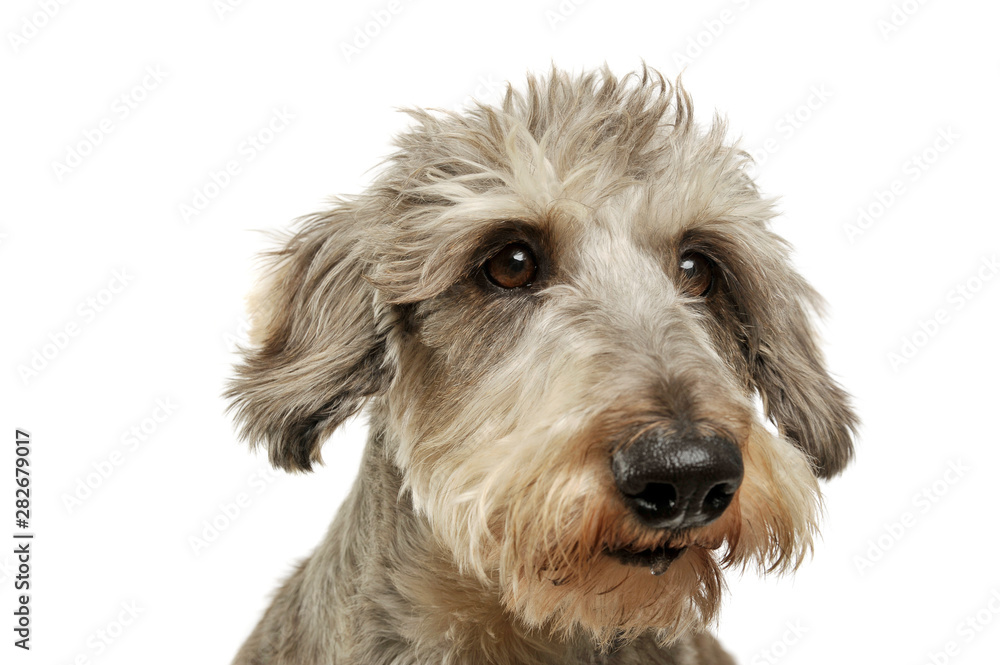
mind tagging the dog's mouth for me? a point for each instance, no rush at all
(657, 559)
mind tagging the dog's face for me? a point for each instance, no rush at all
(565, 309)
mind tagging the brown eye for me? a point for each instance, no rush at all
(696, 274)
(512, 267)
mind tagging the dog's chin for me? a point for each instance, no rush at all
(657, 559)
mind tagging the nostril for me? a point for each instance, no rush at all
(659, 498)
(718, 498)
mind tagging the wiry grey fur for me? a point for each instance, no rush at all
(477, 529)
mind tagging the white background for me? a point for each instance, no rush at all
(896, 577)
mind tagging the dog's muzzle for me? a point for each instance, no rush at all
(678, 481)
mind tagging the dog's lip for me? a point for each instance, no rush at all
(657, 559)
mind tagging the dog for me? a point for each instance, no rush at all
(568, 321)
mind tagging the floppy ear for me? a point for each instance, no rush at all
(316, 353)
(800, 397)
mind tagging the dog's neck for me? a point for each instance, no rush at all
(381, 559)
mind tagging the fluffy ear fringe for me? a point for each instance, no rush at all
(805, 403)
(315, 354)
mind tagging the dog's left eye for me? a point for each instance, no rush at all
(512, 267)
(697, 276)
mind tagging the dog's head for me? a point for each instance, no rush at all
(564, 310)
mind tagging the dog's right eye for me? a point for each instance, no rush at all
(697, 274)
(513, 267)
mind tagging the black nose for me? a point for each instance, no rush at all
(675, 482)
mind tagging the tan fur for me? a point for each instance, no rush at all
(479, 526)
